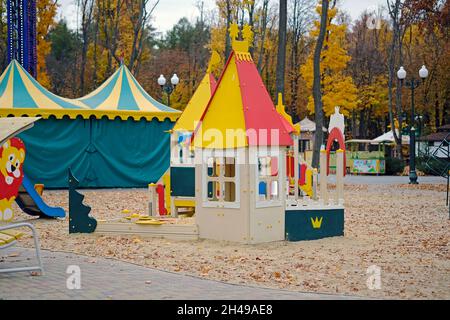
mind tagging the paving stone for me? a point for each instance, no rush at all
(105, 280)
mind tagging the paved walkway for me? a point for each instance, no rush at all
(104, 279)
(374, 180)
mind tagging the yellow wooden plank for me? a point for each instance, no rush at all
(6, 238)
(149, 223)
(16, 234)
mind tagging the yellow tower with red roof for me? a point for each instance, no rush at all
(240, 149)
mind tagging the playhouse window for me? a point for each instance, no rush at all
(230, 192)
(268, 180)
(182, 153)
(221, 184)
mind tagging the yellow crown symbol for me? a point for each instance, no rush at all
(316, 223)
(241, 46)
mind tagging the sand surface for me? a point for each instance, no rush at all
(402, 229)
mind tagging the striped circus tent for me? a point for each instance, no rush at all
(22, 95)
(116, 137)
(122, 94)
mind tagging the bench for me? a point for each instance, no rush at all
(9, 237)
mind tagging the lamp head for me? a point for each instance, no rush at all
(401, 74)
(423, 73)
(175, 80)
(162, 81)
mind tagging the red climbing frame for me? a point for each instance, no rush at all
(336, 135)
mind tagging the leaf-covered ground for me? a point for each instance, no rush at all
(404, 230)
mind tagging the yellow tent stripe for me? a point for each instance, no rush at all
(3, 75)
(6, 100)
(39, 98)
(142, 102)
(112, 102)
(99, 89)
(225, 113)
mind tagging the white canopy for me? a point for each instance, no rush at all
(307, 125)
(389, 138)
(10, 127)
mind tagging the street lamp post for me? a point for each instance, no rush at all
(168, 88)
(412, 84)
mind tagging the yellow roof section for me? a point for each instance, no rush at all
(196, 106)
(226, 102)
(281, 109)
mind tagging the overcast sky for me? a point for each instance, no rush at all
(169, 12)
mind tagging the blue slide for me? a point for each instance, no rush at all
(31, 202)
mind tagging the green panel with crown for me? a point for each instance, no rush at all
(314, 224)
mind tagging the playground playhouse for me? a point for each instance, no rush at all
(250, 185)
(244, 192)
(92, 135)
(235, 156)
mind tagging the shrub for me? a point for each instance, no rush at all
(434, 167)
(394, 166)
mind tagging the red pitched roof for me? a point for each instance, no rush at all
(258, 110)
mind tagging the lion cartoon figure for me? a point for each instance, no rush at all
(12, 157)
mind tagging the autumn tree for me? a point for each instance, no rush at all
(426, 42)
(46, 12)
(367, 68)
(189, 39)
(300, 19)
(317, 85)
(337, 87)
(282, 38)
(61, 62)
(87, 15)
(3, 35)
(139, 15)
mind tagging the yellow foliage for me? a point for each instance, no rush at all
(338, 89)
(374, 96)
(46, 12)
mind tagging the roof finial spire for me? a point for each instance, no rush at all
(215, 60)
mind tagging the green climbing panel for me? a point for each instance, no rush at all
(314, 224)
(79, 219)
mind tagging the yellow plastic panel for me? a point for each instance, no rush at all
(196, 106)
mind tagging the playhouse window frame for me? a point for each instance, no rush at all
(188, 155)
(268, 152)
(221, 178)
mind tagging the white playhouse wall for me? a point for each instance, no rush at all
(245, 221)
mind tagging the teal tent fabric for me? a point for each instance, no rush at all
(129, 153)
(52, 147)
(102, 153)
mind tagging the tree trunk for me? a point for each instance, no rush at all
(263, 34)
(227, 33)
(394, 12)
(87, 7)
(437, 121)
(317, 87)
(282, 38)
